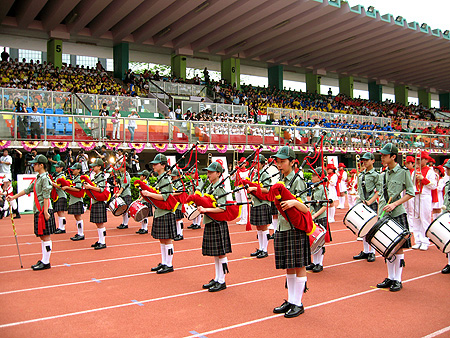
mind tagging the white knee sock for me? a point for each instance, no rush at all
(448, 256)
(101, 235)
(163, 254)
(290, 280)
(223, 268)
(391, 270)
(259, 232)
(217, 266)
(367, 247)
(144, 224)
(299, 289)
(62, 223)
(265, 239)
(125, 218)
(46, 251)
(399, 263)
(317, 258)
(80, 227)
(179, 229)
(275, 223)
(169, 253)
(198, 220)
(331, 211)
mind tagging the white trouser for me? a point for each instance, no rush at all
(241, 196)
(421, 218)
(116, 129)
(351, 201)
(13, 204)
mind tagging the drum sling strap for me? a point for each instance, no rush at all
(363, 185)
(385, 192)
(41, 219)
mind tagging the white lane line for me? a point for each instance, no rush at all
(306, 308)
(438, 333)
(70, 314)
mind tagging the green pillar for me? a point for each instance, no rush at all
(375, 92)
(401, 94)
(121, 59)
(275, 74)
(231, 71)
(346, 85)
(313, 83)
(424, 98)
(178, 66)
(444, 100)
(54, 52)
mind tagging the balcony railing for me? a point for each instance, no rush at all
(181, 89)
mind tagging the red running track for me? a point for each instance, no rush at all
(112, 292)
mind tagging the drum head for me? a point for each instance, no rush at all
(142, 214)
(120, 210)
(272, 171)
(193, 215)
(439, 232)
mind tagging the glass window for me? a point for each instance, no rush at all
(29, 55)
(87, 61)
(109, 65)
(66, 59)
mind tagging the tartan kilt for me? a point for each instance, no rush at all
(291, 249)
(76, 208)
(403, 220)
(164, 227)
(60, 204)
(50, 225)
(127, 199)
(273, 209)
(323, 222)
(98, 213)
(216, 239)
(178, 214)
(260, 215)
(150, 207)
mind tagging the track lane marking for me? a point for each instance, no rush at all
(437, 333)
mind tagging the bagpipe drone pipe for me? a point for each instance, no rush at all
(63, 182)
(98, 196)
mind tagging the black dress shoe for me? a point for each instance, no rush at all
(122, 226)
(77, 238)
(310, 266)
(272, 236)
(191, 226)
(294, 311)
(100, 246)
(40, 266)
(60, 231)
(317, 268)
(142, 232)
(95, 244)
(256, 253)
(283, 308)
(262, 254)
(396, 286)
(361, 255)
(17, 216)
(195, 227)
(165, 269)
(385, 284)
(217, 287)
(446, 269)
(178, 238)
(158, 267)
(371, 257)
(211, 283)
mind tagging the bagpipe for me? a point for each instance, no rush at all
(63, 182)
(98, 196)
(53, 194)
(170, 204)
(259, 185)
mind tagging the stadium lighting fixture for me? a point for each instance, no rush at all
(371, 9)
(399, 18)
(424, 26)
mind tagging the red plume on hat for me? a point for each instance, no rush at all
(342, 165)
(331, 166)
(410, 159)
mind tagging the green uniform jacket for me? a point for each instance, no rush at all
(447, 196)
(217, 192)
(318, 193)
(371, 179)
(43, 190)
(126, 186)
(265, 180)
(100, 182)
(61, 193)
(168, 188)
(76, 182)
(297, 186)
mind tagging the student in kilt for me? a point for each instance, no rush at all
(178, 185)
(368, 194)
(164, 225)
(319, 215)
(260, 211)
(274, 213)
(76, 206)
(393, 181)
(60, 206)
(292, 251)
(446, 269)
(98, 208)
(143, 176)
(124, 182)
(196, 223)
(216, 238)
(44, 221)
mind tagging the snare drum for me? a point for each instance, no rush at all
(191, 212)
(317, 238)
(387, 236)
(439, 232)
(117, 206)
(138, 211)
(360, 219)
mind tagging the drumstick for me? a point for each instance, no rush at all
(15, 233)
(382, 214)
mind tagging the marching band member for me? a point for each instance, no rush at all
(60, 206)
(292, 250)
(216, 238)
(319, 215)
(76, 206)
(368, 194)
(446, 269)
(342, 181)
(440, 173)
(164, 224)
(274, 213)
(8, 191)
(393, 181)
(425, 180)
(124, 192)
(241, 195)
(44, 221)
(98, 208)
(333, 189)
(409, 204)
(196, 223)
(352, 189)
(143, 176)
(178, 185)
(260, 213)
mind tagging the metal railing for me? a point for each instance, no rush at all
(182, 89)
(73, 128)
(227, 109)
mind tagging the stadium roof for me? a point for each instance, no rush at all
(324, 36)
